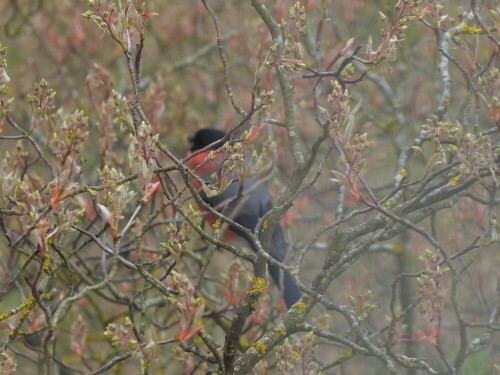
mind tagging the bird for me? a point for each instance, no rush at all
(255, 202)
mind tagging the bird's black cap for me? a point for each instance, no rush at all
(204, 137)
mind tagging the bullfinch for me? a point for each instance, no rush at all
(252, 203)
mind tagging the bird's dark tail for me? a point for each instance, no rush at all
(291, 293)
(279, 248)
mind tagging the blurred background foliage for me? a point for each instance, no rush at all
(183, 90)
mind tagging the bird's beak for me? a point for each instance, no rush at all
(190, 139)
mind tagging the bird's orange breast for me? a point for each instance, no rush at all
(203, 167)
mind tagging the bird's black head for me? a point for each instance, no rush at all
(204, 137)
